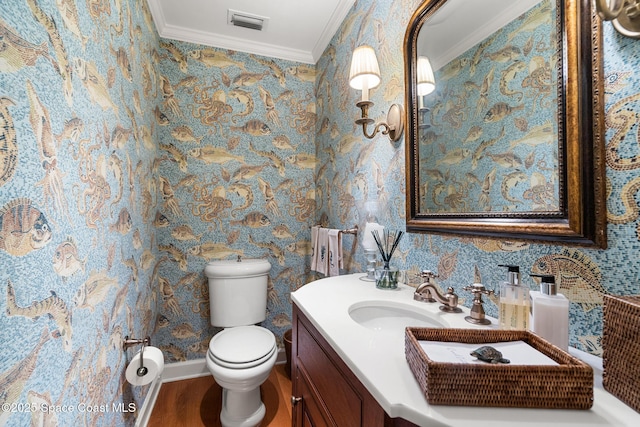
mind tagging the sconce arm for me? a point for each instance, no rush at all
(609, 10)
(393, 127)
(625, 15)
(380, 127)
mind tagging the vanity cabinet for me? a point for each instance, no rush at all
(325, 391)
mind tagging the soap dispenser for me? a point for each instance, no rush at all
(550, 313)
(514, 301)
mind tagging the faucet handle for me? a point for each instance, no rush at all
(478, 289)
(477, 314)
(428, 274)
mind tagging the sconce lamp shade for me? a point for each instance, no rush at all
(365, 73)
(426, 80)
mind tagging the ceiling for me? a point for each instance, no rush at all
(296, 30)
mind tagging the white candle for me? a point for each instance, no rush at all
(368, 242)
(365, 89)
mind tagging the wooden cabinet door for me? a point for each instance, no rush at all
(307, 413)
(329, 393)
(327, 383)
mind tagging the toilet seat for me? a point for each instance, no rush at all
(242, 347)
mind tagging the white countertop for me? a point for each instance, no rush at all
(378, 360)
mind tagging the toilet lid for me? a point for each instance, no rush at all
(242, 346)
(246, 267)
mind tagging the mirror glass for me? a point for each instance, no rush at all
(499, 147)
(492, 117)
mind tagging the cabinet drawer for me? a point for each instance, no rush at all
(341, 400)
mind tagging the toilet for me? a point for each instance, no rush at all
(241, 356)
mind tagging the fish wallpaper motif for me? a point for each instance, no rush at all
(486, 141)
(127, 161)
(78, 191)
(236, 170)
(353, 171)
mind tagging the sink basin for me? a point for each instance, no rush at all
(391, 316)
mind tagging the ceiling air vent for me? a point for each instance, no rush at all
(246, 20)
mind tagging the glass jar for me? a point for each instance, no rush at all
(387, 277)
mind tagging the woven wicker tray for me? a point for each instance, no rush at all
(621, 347)
(568, 385)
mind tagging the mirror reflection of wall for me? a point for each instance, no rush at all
(488, 132)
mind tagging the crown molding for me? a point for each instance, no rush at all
(264, 49)
(340, 12)
(234, 43)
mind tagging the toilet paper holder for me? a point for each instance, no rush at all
(129, 342)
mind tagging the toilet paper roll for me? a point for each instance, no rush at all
(153, 360)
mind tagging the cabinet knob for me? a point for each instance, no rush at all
(295, 400)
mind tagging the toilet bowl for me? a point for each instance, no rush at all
(241, 356)
(240, 360)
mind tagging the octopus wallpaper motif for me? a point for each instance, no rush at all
(77, 193)
(128, 161)
(488, 134)
(353, 171)
(236, 168)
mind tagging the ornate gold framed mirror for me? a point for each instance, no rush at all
(510, 143)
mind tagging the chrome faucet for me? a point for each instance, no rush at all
(428, 292)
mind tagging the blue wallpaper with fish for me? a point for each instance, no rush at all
(127, 161)
(150, 158)
(374, 170)
(236, 172)
(77, 196)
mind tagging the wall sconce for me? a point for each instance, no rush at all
(625, 15)
(426, 80)
(426, 83)
(365, 75)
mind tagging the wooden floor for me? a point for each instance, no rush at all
(196, 402)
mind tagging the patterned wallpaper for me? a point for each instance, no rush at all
(236, 174)
(486, 143)
(127, 161)
(78, 192)
(374, 170)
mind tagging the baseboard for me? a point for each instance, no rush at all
(185, 370)
(149, 402)
(196, 368)
(175, 372)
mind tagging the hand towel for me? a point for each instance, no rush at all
(322, 251)
(335, 252)
(314, 247)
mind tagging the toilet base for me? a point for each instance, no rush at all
(241, 408)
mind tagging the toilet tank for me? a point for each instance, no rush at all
(237, 291)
